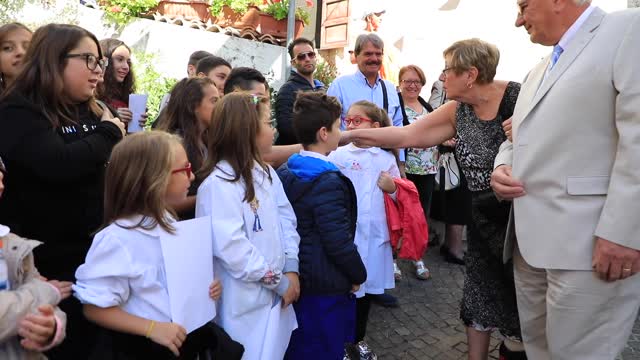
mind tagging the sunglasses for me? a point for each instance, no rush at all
(310, 54)
(356, 120)
(186, 169)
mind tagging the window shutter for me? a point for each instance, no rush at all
(334, 24)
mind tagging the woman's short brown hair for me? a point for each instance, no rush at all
(416, 69)
(137, 177)
(476, 53)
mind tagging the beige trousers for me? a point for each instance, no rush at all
(573, 315)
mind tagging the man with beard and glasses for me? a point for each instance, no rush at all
(303, 60)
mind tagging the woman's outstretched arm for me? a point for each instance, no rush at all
(429, 130)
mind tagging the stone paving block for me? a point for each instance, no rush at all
(427, 326)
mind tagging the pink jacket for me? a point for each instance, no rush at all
(408, 227)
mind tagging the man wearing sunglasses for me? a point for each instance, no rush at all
(303, 61)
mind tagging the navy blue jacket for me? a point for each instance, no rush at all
(325, 204)
(285, 99)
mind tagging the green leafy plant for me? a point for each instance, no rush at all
(239, 6)
(279, 9)
(122, 11)
(326, 72)
(149, 81)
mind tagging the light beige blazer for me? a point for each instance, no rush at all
(577, 147)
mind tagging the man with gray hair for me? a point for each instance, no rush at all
(366, 83)
(572, 172)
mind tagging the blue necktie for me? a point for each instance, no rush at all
(555, 55)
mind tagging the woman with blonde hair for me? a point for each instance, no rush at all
(480, 105)
(421, 164)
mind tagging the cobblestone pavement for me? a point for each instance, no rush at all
(426, 325)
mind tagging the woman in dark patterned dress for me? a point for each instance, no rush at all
(480, 105)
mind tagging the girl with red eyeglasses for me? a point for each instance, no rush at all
(371, 169)
(123, 283)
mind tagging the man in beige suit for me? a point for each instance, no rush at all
(573, 172)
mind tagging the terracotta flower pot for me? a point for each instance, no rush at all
(228, 17)
(278, 28)
(191, 10)
(249, 19)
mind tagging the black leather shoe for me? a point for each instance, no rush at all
(385, 300)
(449, 257)
(506, 354)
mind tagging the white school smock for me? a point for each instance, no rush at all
(363, 166)
(125, 268)
(243, 256)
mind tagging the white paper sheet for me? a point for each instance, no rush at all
(188, 261)
(138, 106)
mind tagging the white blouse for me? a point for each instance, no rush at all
(125, 268)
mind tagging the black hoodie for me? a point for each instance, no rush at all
(54, 181)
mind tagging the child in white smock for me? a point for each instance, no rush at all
(123, 284)
(371, 170)
(255, 242)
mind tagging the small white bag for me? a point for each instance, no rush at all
(448, 172)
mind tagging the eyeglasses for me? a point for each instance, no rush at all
(271, 123)
(412, 82)
(310, 54)
(186, 169)
(255, 99)
(356, 120)
(91, 60)
(444, 71)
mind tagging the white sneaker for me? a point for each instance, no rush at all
(397, 274)
(365, 352)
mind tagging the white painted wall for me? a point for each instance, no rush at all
(173, 45)
(425, 32)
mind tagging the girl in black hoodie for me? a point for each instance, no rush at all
(55, 141)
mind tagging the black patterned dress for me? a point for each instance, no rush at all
(488, 299)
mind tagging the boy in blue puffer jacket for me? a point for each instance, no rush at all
(324, 201)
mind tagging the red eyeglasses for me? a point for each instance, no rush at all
(186, 169)
(356, 120)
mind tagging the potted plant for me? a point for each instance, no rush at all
(236, 13)
(273, 18)
(122, 11)
(189, 9)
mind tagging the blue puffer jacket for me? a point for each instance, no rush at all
(325, 204)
